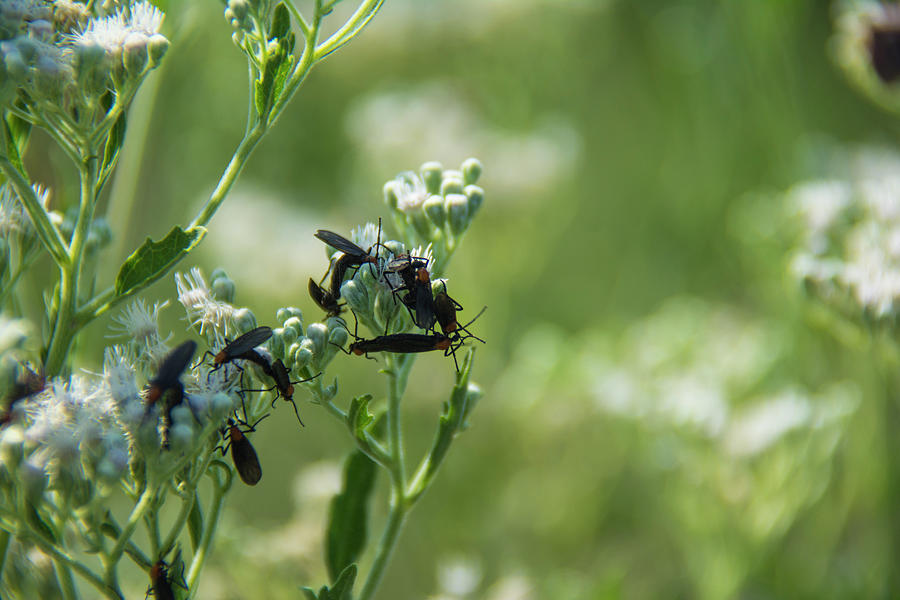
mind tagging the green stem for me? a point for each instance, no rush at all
(46, 230)
(364, 13)
(398, 368)
(137, 514)
(65, 327)
(385, 547)
(187, 504)
(66, 582)
(108, 590)
(369, 445)
(234, 168)
(215, 508)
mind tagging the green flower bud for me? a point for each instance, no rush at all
(318, 333)
(157, 47)
(431, 175)
(276, 344)
(223, 288)
(338, 336)
(458, 211)
(452, 185)
(295, 324)
(240, 9)
(390, 195)
(287, 334)
(476, 196)
(304, 355)
(136, 55)
(434, 208)
(283, 314)
(471, 170)
(244, 319)
(386, 309)
(356, 296)
(394, 247)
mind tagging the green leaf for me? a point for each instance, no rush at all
(309, 593)
(359, 417)
(113, 145)
(455, 412)
(153, 259)
(343, 587)
(281, 22)
(17, 133)
(348, 515)
(37, 523)
(195, 524)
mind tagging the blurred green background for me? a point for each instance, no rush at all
(662, 416)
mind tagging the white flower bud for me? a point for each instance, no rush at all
(288, 335)
(181, 435)
(391, 195)
(304, 355)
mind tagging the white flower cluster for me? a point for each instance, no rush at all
(850, 243)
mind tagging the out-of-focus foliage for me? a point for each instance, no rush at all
(726, 443)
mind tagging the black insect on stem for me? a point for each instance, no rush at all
(168, 377)
(242, 453)
(402, 343)
(324, 299)
(161, 581)
(241, 347)
(419, 300)
(353, 256)
(445, 309)
(285, 387)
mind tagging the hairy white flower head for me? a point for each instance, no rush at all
(410, 191)
(140, 322)
(200, 303)
(111, 31)
(145, 18)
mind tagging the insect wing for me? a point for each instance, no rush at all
(248, 341)
(174, 364)
(245, 460)
(425, 310)
(339, 242)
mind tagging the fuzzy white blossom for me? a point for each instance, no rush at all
(850, 243)
(200, 303)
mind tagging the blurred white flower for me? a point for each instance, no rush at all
(200, 303)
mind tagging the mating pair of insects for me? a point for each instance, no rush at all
(425, 307)
(167, 384)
